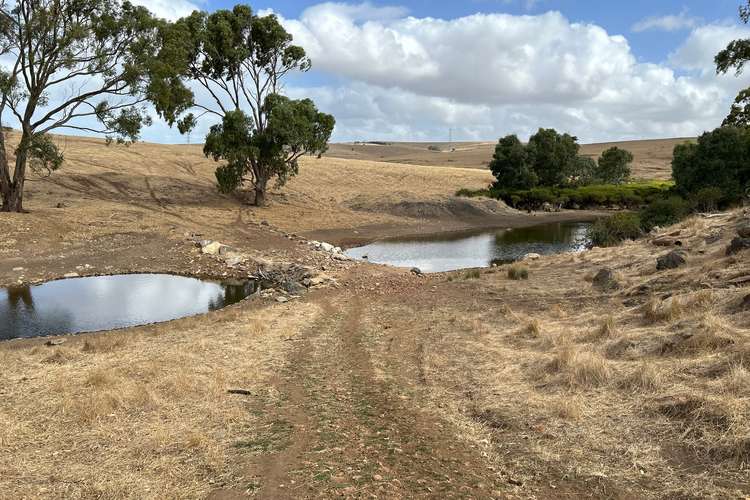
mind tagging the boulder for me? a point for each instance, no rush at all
(738, 244)
(212, 248)
(531, 256)
(744, 230)
(417, 271)
(605, 280)
(233, 259)
(672, 260)
(341, 257)
(326, 247)
(293, 287)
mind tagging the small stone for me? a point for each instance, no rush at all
(264, 223)
(54, 342)
(71, 275)
(340, 256)
(417, 271)
(737, 245)
(605, 280)
(672, 260)
(531, 256)
(282, 299)
(327, 247)
(16, 269)
(213, 248)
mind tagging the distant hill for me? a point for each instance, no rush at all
(652, 157)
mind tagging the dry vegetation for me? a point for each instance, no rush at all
(652, 158)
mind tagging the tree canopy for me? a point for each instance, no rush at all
(103, 56)
(238, 60)
(734, 56)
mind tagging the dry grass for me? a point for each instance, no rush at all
(737, 380)
(645, 378)
(517, 272)
(117, 415)
(666, 311)
(580, 368)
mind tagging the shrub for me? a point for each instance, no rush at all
(518, 273)
(706, 199)
(434, 148)
(614, 166)
(613, 230)
(720, 159)
(664, 213)
(472, 274)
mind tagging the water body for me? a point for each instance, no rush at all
(109, 302)
(448, 252)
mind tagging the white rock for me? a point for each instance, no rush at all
(340, 256)
(282, 299)
(71, 275)
(212, 248)
(18, 269)
(327, 247)
(531, 256)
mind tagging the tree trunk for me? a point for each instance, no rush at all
(5, 184)
(13, 193)
(260, 194)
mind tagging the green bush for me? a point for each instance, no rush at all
(664, 213)
(518, 273)
(613, 230)
(614, 166)
(720, 159)
(706, 199)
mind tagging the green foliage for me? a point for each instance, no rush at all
(734, 56)
(551, 160)
(720, 159)
(614, 166)
(517, 273)
(664, 213)
(48, 47)
(706, 199)
(632, 195)
(511, 166)
(552, 156)
(239, 59)
(613, 230)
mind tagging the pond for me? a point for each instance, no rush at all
(448, 252)
(96, 303)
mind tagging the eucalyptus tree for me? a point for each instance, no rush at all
(85, 65)
(735, 56)
(237, 62)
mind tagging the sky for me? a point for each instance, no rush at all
(412, 70)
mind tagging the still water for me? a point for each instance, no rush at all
(108, 302)
(448, 252)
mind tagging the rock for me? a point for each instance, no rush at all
(605, 280)
(293, 287)
(672, 260)
(54, 342)
(713, 238)
(326, 247)
(547, 207)
(738, 244)
(337, 250)
(16, 269)
(233, 259)
(365, 257)
(531, 256)
(264, 223)
(667, 242)
(745, 304)
(744, 231)
(71, 275)
(61, 205)
(341, 257)
(212, 248)
(282, 300)
(417, 271)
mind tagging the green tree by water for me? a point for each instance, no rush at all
(239, 60)
(614, 166)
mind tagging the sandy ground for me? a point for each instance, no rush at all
(652, 158)
(382, 384)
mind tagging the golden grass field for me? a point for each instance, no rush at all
(652, 158)
(384, 384)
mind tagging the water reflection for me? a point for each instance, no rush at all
(110, 302)
(447, 252)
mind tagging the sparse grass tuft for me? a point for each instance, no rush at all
(472, 274)
(517, 273)
(667, 311)
(737, 380)
(532, 329)
(645, 378)
(580, 368)
(607, 329)
(568, 408)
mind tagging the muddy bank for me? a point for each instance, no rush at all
(358, 236)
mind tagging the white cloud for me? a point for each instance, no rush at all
(491, 74)
(673, 22)
(168, 9)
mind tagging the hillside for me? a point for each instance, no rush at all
(652, 157)
(368, 381)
